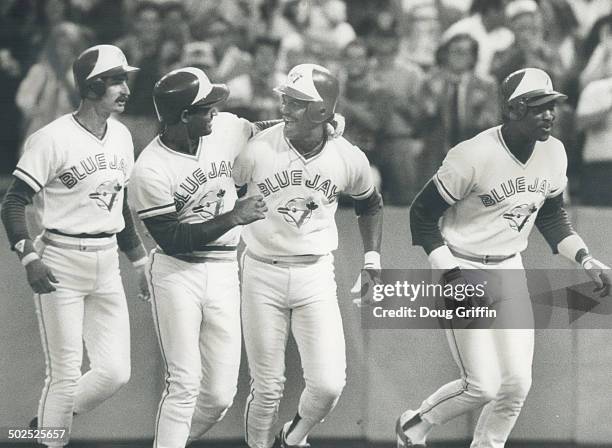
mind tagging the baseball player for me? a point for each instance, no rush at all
(489, 192)
(288, 273)
(185, 194)
(79, 165)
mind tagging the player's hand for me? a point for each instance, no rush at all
(599, 273)
(143, 286)
(365, 289)
(249, 209)
(40, 277)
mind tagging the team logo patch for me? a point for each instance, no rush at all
(298, 211)
(210, 205)
(519, 215)
(105, 195)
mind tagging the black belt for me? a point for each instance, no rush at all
(82, 235)
(484, 259)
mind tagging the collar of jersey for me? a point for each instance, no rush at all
(195, 156)
(302, 158)
(512, 156)
(88, 132)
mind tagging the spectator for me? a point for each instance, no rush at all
(198, 54)
(588, 12)
(333, 32)
(363, 103)
(251, 94)
(175, 35)
(401, 84)
(420, 33)
(598, 52)
(529, 49)
(456, 103)
(486, 24)
(48, 90)
(142, 47)
(561, 30)
(290, 24)
(594, 117)
(227, 41)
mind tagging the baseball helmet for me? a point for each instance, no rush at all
(528, 87)
(182, 89)
(315, 84)
(96, 63)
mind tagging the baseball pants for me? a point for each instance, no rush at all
(301, 298)
(196, 310)
(88, 305)
(495, 364)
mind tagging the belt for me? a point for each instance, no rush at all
(81, 235)
(202, 259)
(484, 259)
(79, 244)
(286, 260)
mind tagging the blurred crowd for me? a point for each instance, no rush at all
(417, 76)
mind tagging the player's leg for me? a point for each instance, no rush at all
(220, 345)
(176, 299)
(515, 358)
(60, 318)
(265, 322)
(474, 352)
(317, 327)
(106, 331)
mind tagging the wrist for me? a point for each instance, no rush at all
(371, 260)
(29, 258)
(573, 248)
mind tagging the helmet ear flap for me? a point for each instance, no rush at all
(516, 110)
(317, 112)
(97, 86)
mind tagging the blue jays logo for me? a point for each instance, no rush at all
(106, 194)
(298, 211)
(519, 215)
(210, 205)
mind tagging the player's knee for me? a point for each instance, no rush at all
(484, 389)
(184, 389)
(117, 376)
(328, 389)
(517, 386)
(270, 390)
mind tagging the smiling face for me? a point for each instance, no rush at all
(116, 94)
(198, 120)
(295, 114)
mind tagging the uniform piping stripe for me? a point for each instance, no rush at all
(448, 193)
(158, 207)
(29, 177)
(88, 132)
(250, 399)
(45, 343)
(161, 348)
(463, 375)
(366, 193)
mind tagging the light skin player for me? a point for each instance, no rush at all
(288, 282)
(80, 164)
(490, 191)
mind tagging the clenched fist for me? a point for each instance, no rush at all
(249, 209)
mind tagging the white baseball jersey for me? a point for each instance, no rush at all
(81, 178)
(495, 198)
(197, 187)
(300, 193)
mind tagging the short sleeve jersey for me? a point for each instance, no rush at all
(301, 194)
(80, 178)
(494, 197)
(197, 187)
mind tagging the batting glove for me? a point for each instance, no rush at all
(599, 273)
(335, 128)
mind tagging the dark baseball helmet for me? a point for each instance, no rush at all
(183, 89)
(316, 84)
(96, 63)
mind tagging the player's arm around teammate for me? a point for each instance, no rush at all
(183, 191)
(80, 164)
(288, 283)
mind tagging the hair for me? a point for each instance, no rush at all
(484, 6)
(442, 51)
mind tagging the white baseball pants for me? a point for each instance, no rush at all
(301, 298)
(196, 310)
(495, 364)
(88, 305)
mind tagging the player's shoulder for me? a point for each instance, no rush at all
(555, 149)
(116, 126)
(271, 133)
(152, 159)
(53, 132)
(268, 140)
(345, 148)
(223, 119)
